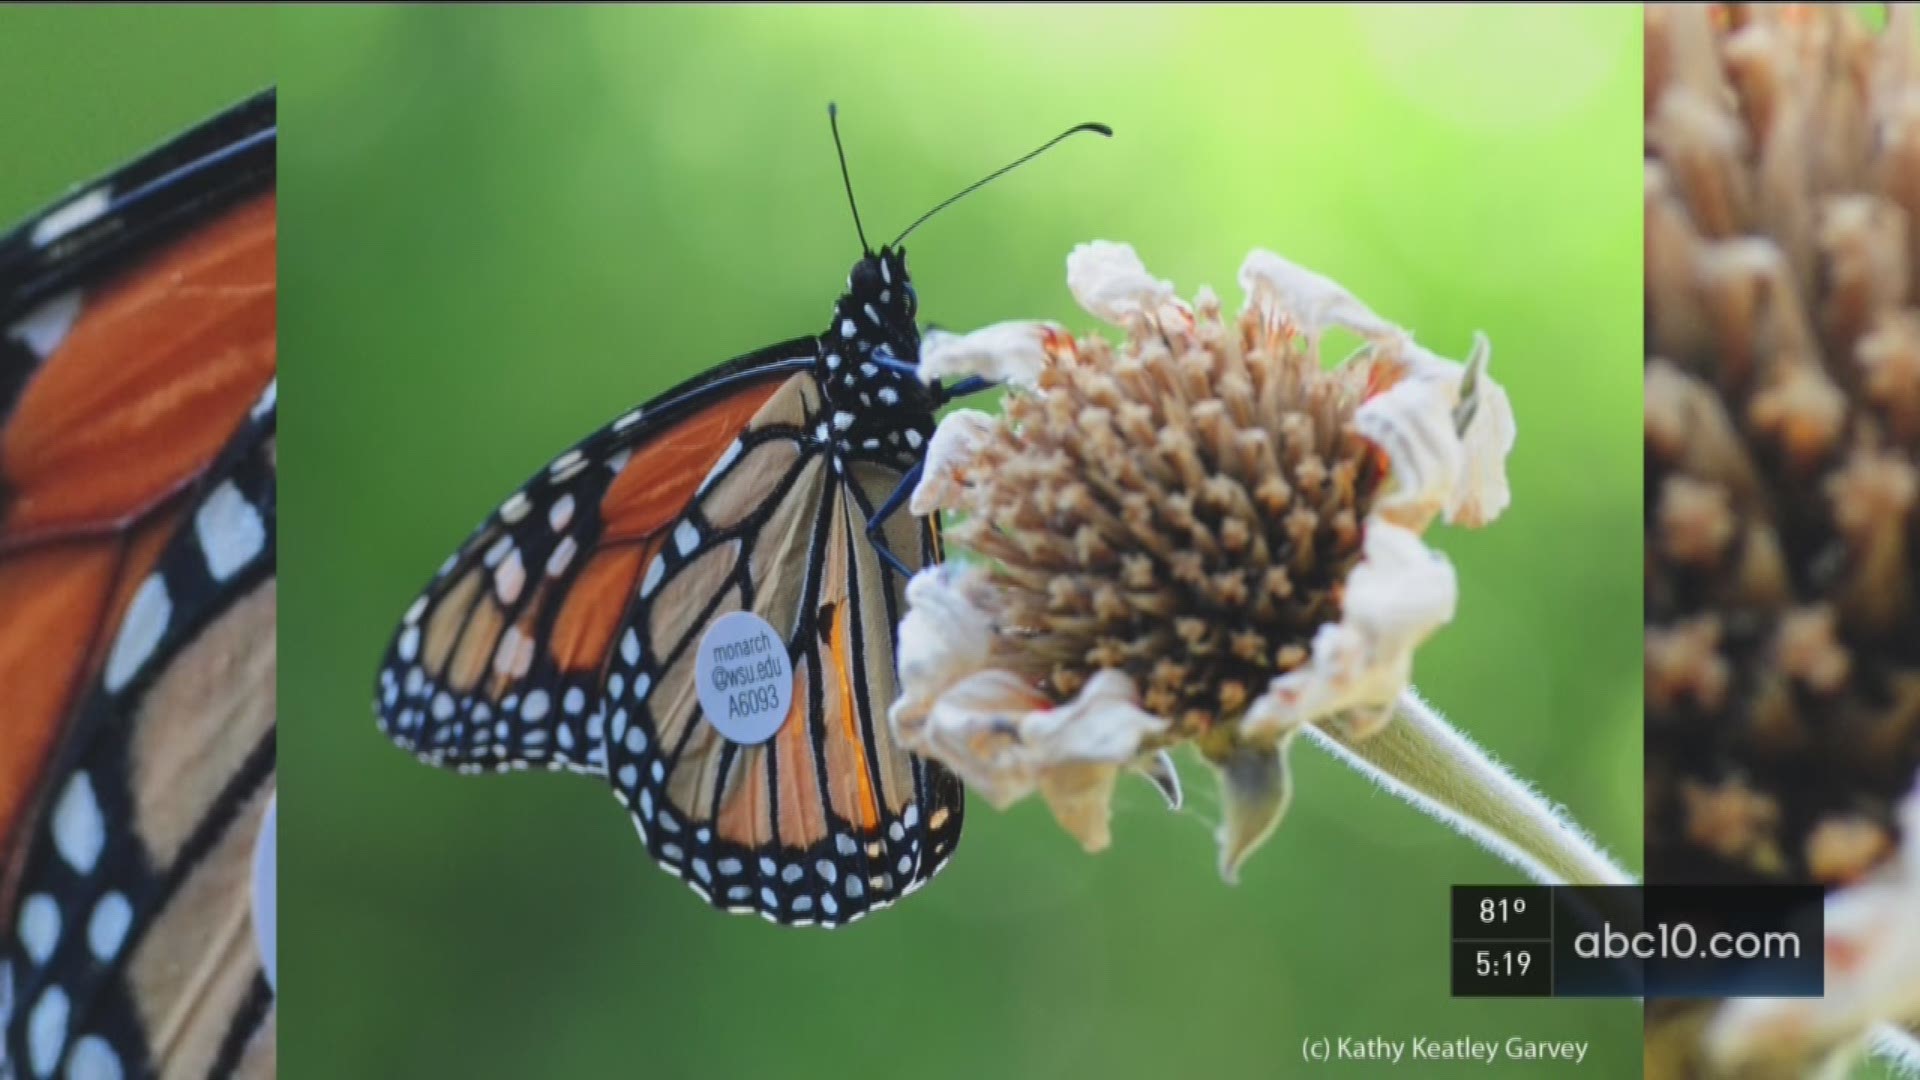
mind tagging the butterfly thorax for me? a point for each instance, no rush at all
(876, 410)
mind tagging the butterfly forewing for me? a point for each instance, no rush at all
(137, 606)
(494, 667)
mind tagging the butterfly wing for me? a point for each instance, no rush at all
(137, 483)
(496, 666)
(561, 634)
(828, 819)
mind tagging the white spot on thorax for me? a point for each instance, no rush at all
(847, 329)
(140, 632)
(230, 531)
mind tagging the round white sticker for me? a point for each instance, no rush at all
(744, 676)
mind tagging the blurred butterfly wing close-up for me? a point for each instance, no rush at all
(564, 632)
(137, 607)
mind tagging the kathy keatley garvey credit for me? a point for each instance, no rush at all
(1419, 1048)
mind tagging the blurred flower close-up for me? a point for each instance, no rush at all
(1783, 475)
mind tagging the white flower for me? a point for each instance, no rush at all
(954, 444)
(1315, 303)
(1010, 353)
(1007, 740)
(1137, 515)
(1401, 592)
(1447, 429)
(1109, 280)
(943, 638)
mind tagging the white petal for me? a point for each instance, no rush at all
(942, 639)
(1872, 954)
(1447, 430)
(1010, 352)
(1006, 739)
(959, 437)
(1110, 281)
(1316, 303)
(1399, 594)
(1487, 436)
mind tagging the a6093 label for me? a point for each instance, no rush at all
(744, 677)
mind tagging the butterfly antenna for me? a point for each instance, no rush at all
(1101, 129)
(833, 121)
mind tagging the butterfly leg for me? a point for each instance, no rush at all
(887, 509)
(967, 387)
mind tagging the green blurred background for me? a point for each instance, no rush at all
(83, 90)
(503, 227)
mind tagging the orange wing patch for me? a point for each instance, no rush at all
(155, 376)
(661, 477)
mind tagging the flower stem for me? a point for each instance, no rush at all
(1432, 765)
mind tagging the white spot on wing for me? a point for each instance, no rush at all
(656, 570)
(107, 930)
(509, 576)
(79, 831)
(39, 927)
(46, 326)
(47, 1031)
(560, 514)
(562, 556)
(93, 1059)
(686, 537)
(73, 215)
(515, 508)
(140, 632)
(230, 531)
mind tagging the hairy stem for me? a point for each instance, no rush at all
(1426, 761)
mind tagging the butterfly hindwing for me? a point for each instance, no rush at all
(828, 818)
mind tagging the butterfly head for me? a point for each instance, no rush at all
(876, 313)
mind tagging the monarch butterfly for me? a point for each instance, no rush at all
(137, 496)
(569, 630)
